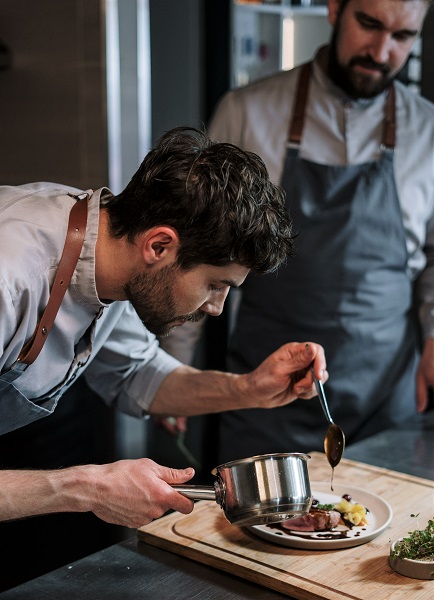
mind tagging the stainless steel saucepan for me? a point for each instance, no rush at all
(257, 490)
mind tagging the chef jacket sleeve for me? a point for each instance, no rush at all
(227, 122)
(183, 341)
(130, 366)
(7, 326)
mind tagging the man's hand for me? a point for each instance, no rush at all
(174, 425)
(285, 375)
(425, 375)
(134, 492)
(128, 492)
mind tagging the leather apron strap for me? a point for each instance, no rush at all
(296, 126)
(389, 127)
(71, 252)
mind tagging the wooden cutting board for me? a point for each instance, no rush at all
(358, 573)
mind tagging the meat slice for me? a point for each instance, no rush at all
(315, 520)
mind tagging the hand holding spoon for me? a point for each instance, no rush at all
(334, 442)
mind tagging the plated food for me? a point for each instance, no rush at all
(336, 517)
(347, 517)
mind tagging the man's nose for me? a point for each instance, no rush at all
(214, 306)
(380, 48)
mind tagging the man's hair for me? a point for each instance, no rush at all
(345, 2)
(217, 197)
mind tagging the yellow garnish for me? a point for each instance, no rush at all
(352, 512)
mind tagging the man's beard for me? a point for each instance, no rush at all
(152, 298)
(356, 84)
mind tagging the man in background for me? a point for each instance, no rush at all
(353, 149)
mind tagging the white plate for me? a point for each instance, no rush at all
(379, 516)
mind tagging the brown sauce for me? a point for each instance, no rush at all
(332, 534)
(334, 444)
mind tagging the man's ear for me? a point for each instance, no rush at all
(159, 245)
(333, 10)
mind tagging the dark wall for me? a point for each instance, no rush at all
(189, 61)
(217, 52)
(52, 101)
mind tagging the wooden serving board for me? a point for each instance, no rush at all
(358, 573)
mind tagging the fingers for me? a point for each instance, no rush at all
(318, 361)
(302, 355)
(421, 393)
(177, 475)
(312, 358)
(134, 492)
(305, 388)
(173, 425)
(182, 504)
(179, 502)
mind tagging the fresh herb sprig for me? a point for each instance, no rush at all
(419, 545)
(324, 506)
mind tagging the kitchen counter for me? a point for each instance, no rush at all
(132, 569)
(408, 449)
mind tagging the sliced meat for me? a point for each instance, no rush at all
(315, 520)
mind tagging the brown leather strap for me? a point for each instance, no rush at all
(71, 251)
(297, 123)
(389, 127)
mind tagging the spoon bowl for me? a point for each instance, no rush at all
(334, 442)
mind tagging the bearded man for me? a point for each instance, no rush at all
(353, 148)
(195, 218)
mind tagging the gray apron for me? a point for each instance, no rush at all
(347, 289)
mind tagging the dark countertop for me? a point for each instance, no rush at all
(408, 449)
(132, 569)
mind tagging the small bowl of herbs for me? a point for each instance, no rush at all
(413, 555)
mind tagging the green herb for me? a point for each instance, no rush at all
(419, 545)
(325, 506)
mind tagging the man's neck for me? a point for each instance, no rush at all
(114, 261)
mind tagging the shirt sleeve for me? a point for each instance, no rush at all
(227, 121)
(8, 322)
(425, 286)
(183, 341)
(130, 366)
(15, 325)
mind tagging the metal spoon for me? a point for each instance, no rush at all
(334, 442)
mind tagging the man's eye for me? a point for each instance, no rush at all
(216, 288)
(403, 36)
(367, 24)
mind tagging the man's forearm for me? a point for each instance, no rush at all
(188, 392)
(127, 492)
(280, 379)
(28, 493)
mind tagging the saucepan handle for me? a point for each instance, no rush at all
(199, 492)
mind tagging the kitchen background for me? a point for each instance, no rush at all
(86, 88)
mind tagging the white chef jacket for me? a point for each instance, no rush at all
(341, 131)
(122, 359)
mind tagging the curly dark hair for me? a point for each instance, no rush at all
(217, 197)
